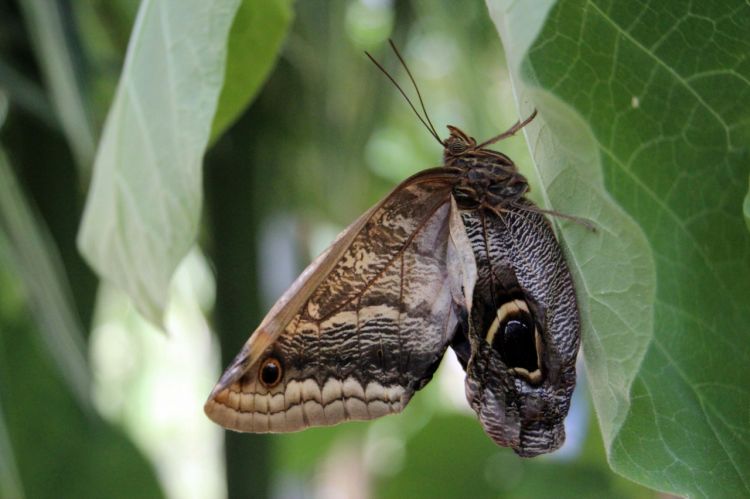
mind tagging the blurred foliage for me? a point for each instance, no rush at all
(324, 138)
(60, 448)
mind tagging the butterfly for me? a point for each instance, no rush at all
(455, 256)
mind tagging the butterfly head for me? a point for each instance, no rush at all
(463, 151)
(458, 143)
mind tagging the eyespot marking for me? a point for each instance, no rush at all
(510, 336)
(270, 372)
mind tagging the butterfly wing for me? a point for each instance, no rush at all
(522, 342)
(364, 326)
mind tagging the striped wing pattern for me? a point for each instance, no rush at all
(517, 255)
(366, 324)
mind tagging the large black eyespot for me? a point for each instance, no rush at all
(514, 337)
(517, 343)
(270, 372)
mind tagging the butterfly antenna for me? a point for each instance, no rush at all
(401, 90)
(416, 87)
(510, 131)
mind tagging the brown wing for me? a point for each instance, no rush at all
(520, 377)
(364, 326)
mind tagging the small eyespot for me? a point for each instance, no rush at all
(270, 372)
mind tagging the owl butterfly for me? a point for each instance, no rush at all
(455, 256)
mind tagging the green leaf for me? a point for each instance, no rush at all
(143, 207)
(652, 99)
(259, 28)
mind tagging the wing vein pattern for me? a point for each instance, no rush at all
(386, 298)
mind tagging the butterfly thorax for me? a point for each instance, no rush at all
(487, 177)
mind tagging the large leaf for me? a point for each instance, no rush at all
(259, 28)
(653, 99)
(143, 208)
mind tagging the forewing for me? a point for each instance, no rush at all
(363, 327)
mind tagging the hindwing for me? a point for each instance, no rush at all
(520, 348)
